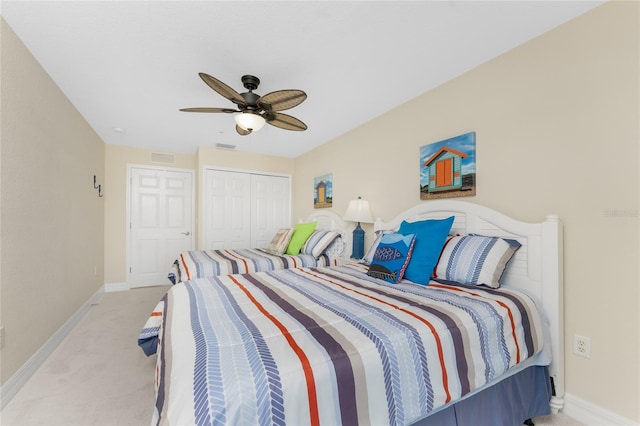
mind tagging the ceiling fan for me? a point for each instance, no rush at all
(255, 110)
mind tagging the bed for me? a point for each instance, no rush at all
(333, 345)
(208, 263)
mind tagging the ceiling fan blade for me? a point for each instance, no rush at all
(241, 131)
(285, 121)
(223, 89)
(281, 100)
(207, 109)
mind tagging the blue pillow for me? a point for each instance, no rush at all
(431, 234)
(391, 257)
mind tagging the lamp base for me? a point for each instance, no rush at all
(357, 251)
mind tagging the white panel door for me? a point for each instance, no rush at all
(270, 207)
(226, 210)
(161, 222)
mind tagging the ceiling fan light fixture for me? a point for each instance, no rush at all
(250, 121)
(255, 110)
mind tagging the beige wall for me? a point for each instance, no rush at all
(52, 219)
(557, 131)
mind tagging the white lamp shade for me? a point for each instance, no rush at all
(358, 211)
(249, 121)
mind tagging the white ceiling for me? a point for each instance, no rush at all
(134, 64)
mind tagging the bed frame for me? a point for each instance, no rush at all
(535, 269)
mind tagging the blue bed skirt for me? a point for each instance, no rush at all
(507, 403)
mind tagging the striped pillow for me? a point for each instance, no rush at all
(475, 259)
(317, 243)
(280, 241)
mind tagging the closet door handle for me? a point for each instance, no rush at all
(186, 233)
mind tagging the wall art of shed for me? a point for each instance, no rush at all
(323, 191)
(448, 168)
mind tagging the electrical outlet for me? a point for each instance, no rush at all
(582, 346)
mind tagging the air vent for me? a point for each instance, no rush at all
(225, 146)
(162, 158)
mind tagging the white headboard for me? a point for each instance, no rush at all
(536, 268)
(328, 220)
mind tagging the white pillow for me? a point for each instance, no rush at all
(336, 248)
(280, 241)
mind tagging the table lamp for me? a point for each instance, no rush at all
(358, 211)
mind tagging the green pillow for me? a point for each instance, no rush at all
(300, 235)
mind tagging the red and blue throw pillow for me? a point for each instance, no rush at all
(392, 257)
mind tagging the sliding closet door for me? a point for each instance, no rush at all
(227, 210)
(243, 210)
(270, 207)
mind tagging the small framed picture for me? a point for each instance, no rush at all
(323, 191)
(448, 168)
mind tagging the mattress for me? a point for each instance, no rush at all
(330, 346)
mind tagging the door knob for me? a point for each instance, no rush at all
(186, 233)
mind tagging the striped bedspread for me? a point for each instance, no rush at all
(330, 346)
(210, 263)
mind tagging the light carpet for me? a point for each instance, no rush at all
(99, 376)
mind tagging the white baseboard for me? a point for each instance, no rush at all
(111, 287)
(591, 414)
(11, 387)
